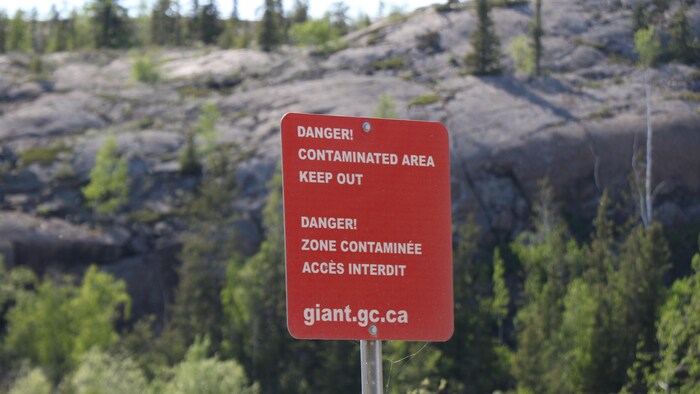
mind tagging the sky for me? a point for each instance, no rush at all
(248, 9)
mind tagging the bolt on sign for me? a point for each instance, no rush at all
(368, 239)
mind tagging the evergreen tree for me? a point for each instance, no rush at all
(4, 26)
(485, 58)
(255, 304)
(211, 242)
(678, 335)
(473, 361)
(209, 22)
(110, 24)
(18, 38)
(536, 32)
(58, 34)
(550, 261)
(165, 24)
(339, 17)
(639, 286)
(639, 17)
(35, 35)
(683, 46)
(270, 31)
(300, 11)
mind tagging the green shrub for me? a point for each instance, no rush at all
(523, 55)
(31, 381)
(386, 108)
(425, 100)
(189, 160)
(317, 32)
(57, 324)
(145, 68)
(197, 374)
(102, 373)
(108, 189)
(392, 63)
(603, 112)
(43, 155)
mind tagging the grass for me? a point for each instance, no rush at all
(690, 96)
(425, 100)
(194, 91)
(145, 216)
(392, 63)
(603, 112)
(43, 155)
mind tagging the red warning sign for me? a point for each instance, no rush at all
(368, 240)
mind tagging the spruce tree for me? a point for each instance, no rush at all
(4, 24)
(536, 32)
(485, 58)
(110, 23)
(18, 38)
(210, 26)
(683, 45)
(270, 29)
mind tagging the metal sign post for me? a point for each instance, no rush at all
(367, 215)
(371, 367)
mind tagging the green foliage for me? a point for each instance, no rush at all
(392, 63)
(410, 364)
(197, 374)
(536, 33)
(108, 189)
(166, 24)
(603, 112)
(4, 24)
(100, 372)
(189, 159)
(523, 55)
(485, 58)
(647, 45)
(110, 23)
(678, 335)
(270, 29)
(17, 38)
(145, 68)
(501, 295)
(56, 326)
(683, 46)
(31, 381)
(14, 284)
(386, 108)
(425, 100)
(44, 155)
(473, 361)
(318, 32)
(254, 301)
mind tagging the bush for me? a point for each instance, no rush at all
(102, 373)
(392, 63)
(523, 55)
(386, 108)
(108, 189)
(425, 100)
(197, 374)
(317, 32)
(31, 381)
(43, 155)
(144, 68)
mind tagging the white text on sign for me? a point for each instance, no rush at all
(327, 177)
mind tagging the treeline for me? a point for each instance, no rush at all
(107, 24)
